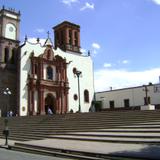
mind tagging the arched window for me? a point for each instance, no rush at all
(35, 68)
(86, 96)
(70, 37)
(6, 55)
(13, 56)
(49, 73)
(75, 38)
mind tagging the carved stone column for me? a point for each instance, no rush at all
(41, 101)
(32, 102)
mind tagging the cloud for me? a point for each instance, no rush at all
(107, 65)
(106, 78)
(156, 2)
(87, 6)
(84, 51)
(69, 2)
(125, 61)
(96, 46)
(40, 30)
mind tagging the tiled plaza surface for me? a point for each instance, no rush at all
(15, 155)
(133, 150)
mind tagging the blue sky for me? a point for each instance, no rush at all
(122, 35)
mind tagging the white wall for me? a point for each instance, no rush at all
(85, 65)
(25, 69)
(135, 95)
(82, 63)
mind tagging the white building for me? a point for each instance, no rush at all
(56, 76)
(130, 98)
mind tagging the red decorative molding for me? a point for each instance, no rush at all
(59, 86)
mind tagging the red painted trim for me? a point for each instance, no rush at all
(58, 86)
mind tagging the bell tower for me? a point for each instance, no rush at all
(67, 37)
(9, 43)
(9, 36)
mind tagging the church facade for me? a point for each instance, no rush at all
(51, 76)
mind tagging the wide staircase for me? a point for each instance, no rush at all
(128, 127)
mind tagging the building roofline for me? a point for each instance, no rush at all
(66, 23)
(10, 10)
(127, 88)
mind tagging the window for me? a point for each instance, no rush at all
(35, 68)
(86, 96)
(49, 73)
(111, 104)
(70, 37)
(6, 55)
(76, 39)
(75, 97)
(13, 56)
(126, 103)
(147, 102)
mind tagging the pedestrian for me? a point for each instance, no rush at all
(49, 111)
(10, 113)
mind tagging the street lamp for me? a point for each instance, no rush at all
(78, 74)
(7, 92)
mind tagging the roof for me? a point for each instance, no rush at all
(64, 23)
(10, 10)
(129, 88)
(48, 42)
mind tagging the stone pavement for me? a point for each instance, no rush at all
(133, 150)
(6, 154)
(10, 142)
(15, 155)
(120, 149)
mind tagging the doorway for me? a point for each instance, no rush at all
(50, 104)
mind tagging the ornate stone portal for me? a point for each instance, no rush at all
(47, 84)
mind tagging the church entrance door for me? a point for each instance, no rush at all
(50, 104)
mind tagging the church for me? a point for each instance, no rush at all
(55, 76)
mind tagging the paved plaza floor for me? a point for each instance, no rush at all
(6, 154)
(121, 149)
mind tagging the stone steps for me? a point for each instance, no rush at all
(121, 128)
(38, 125)
(111, 139)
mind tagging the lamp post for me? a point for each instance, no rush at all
(7, 92)
(78, 74)
(6, 131)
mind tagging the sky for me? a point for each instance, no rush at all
(123, 36)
